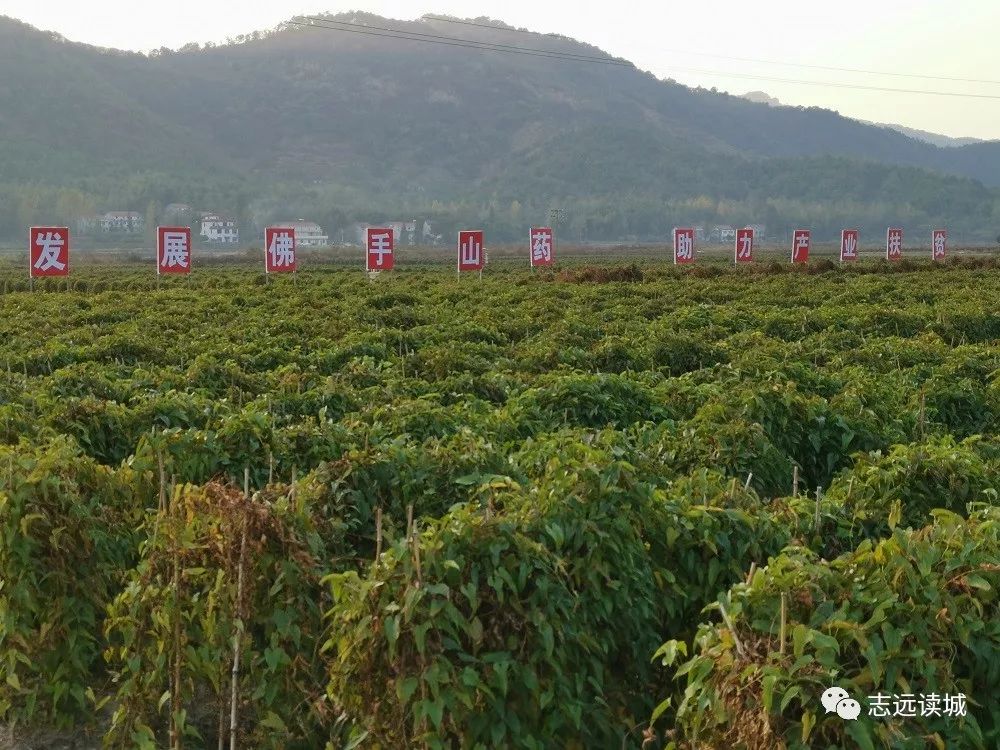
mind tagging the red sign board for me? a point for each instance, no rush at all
(279, 250)
(744, 245)
(683, 246)
(894, 244)
(48, 251)
(470, 250)
(939, 244)
(541, 246)
(848, 245)
(173, 249)
(801, 242)
(380, 249)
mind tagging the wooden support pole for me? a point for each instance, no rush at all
(729, 624)
(819, 490)
(784, 623)
(234, 677)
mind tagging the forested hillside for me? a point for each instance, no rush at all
(343, 127)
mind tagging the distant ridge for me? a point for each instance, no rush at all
(935, 139)
(344, 126)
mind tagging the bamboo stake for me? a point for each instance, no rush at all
(238, 635)
(818, 491)
(729, 624)
(753, 569)
(923, 405)
(378, 534)
(416, 553)
(175, 693)
(222, 706)
(795, 480)
(784, 623)
(747, 485)
(163, 480)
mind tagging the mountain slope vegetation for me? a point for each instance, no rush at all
(347, 127)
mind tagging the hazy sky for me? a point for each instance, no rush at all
(957, 39)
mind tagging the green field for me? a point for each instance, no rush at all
(614, 506)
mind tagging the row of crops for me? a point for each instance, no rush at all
(612, 507)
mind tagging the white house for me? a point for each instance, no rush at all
(307, 233)
(723, 233)
(215, 228)
(403, 232)
(88, 224)
(428, 235)
(122, 221)
(178, 212)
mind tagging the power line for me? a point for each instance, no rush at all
(601, 58)
(746, 59)
(318, 23)
(832, 84)
(839, 70)
(402, 35)
(486, 25)
(387, 33)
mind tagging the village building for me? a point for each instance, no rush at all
(723, 233)
(122, 221)
(410, 232)
(307, 233)
(215, 228)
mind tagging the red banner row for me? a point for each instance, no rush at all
(49, 248)
(802, 244)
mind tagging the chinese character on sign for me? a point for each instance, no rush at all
(48, 251)
(279, 250)
(683, 246)
(954, 705)
(880, 706)
(173, 250)
(940, 244)
(930, 705)
(908, 705)
(894, 244)
(380, 255)
(541, 246)
(801, 239)
(744, 245)
(904, 705)
(848, 245)
(470, 250)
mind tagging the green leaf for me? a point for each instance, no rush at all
(273, 721)
(659, 710)
(405, 688)
(808, 722)
(978, 582)
(860, 732)
(670, 651)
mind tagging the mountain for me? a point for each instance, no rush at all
(762, 97)
(347, 126)
(934, 139)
